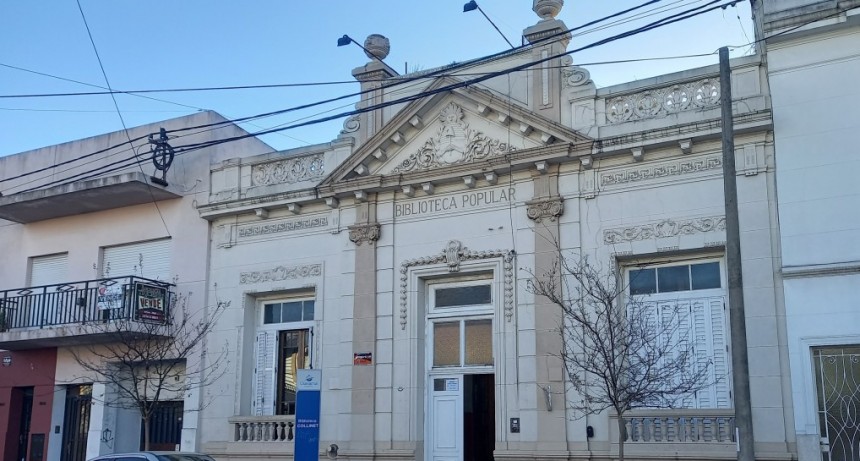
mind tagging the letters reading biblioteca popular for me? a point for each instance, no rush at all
(451, 203)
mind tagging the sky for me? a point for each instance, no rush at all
(163, 44)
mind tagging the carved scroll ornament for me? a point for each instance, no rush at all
(364, 233)
(664, 228)
(453, 254)
(660, 102)
(289, 171)
(545, 208)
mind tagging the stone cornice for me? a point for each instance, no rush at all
(360, 234)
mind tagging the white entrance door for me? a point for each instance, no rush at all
(446, 418)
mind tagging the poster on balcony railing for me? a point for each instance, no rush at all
(151, 302)
(109, 296)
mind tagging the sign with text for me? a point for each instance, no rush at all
(455, 202)
(307, 442)
(150, 302)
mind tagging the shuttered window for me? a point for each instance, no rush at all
(692, 298)
(264, 373)
(144, 259)
(48, 270)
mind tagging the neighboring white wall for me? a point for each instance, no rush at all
(813, 85)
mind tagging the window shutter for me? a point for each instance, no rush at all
(702, 343)
(720, 353)
(48, 270)
(264, 373)
(145, 259)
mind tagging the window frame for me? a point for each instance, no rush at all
(278, 330)
(628, 268)
(461, 315)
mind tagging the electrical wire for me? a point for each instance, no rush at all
(119, 113)
(397, 82)
(660, 23)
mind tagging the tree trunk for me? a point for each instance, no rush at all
(145, 433)
(622, 436)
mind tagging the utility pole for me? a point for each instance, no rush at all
(740, 362)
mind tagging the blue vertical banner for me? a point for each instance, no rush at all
(307, 442)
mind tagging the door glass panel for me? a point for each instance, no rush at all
(479, 342)
(292, 356)
(463, 296)
(446, 344)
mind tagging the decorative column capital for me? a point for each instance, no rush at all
(364, 233)
(545, 208)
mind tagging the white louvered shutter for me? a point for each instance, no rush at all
(145, 259)
(702, 347)
(719, 338)
(48, 270)
(264, 373)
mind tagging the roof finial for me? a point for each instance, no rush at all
(377, 46)
(547, 9)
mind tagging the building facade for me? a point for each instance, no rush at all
(818, 43)
(73, 251)
(396, 259)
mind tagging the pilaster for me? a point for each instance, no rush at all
(364, 234)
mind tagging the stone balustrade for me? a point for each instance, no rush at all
(679, 426)
(278, 428)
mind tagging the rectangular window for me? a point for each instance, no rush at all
(463, 296)
(670, 297)
(283, 347)
(149, 259)
(292, 311)
(463, 343)
(49, 270)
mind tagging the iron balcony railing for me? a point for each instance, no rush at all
(101, 300)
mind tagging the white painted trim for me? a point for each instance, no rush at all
(809, 395)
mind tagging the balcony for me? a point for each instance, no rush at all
(76, 313)
(688, 433)
(79, 197)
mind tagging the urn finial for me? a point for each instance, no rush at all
(547, 9)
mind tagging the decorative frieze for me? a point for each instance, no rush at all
(292, 225)
(364, 233)
(661, 171)
(453, 255)
(281, 273)
(664, 228)
(288, 171)
(453, 144)
(545, 208)
(660, 102)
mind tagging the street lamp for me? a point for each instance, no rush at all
(472, 6)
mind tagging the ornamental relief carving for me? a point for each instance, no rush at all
(364, 233)
(288, 171)
(545, 208)
(664, 228)
(281, 273)
(662, 170)
(701, 94)
(573, 76)
(454, 143)
(453, 254)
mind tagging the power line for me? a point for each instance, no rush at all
(656, 24)
(389, 84)
(121, 119)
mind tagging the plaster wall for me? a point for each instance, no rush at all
(818, 199)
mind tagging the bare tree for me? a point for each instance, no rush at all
(148, 357)
(618, 354)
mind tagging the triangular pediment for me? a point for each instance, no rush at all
(451, 128)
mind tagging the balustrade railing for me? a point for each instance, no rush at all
(101, 300)
(263, 428)
(679, 426)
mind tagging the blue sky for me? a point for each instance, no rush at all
(196, 43)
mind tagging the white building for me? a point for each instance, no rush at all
(96, 221)
(813, 58)
(395, 259)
